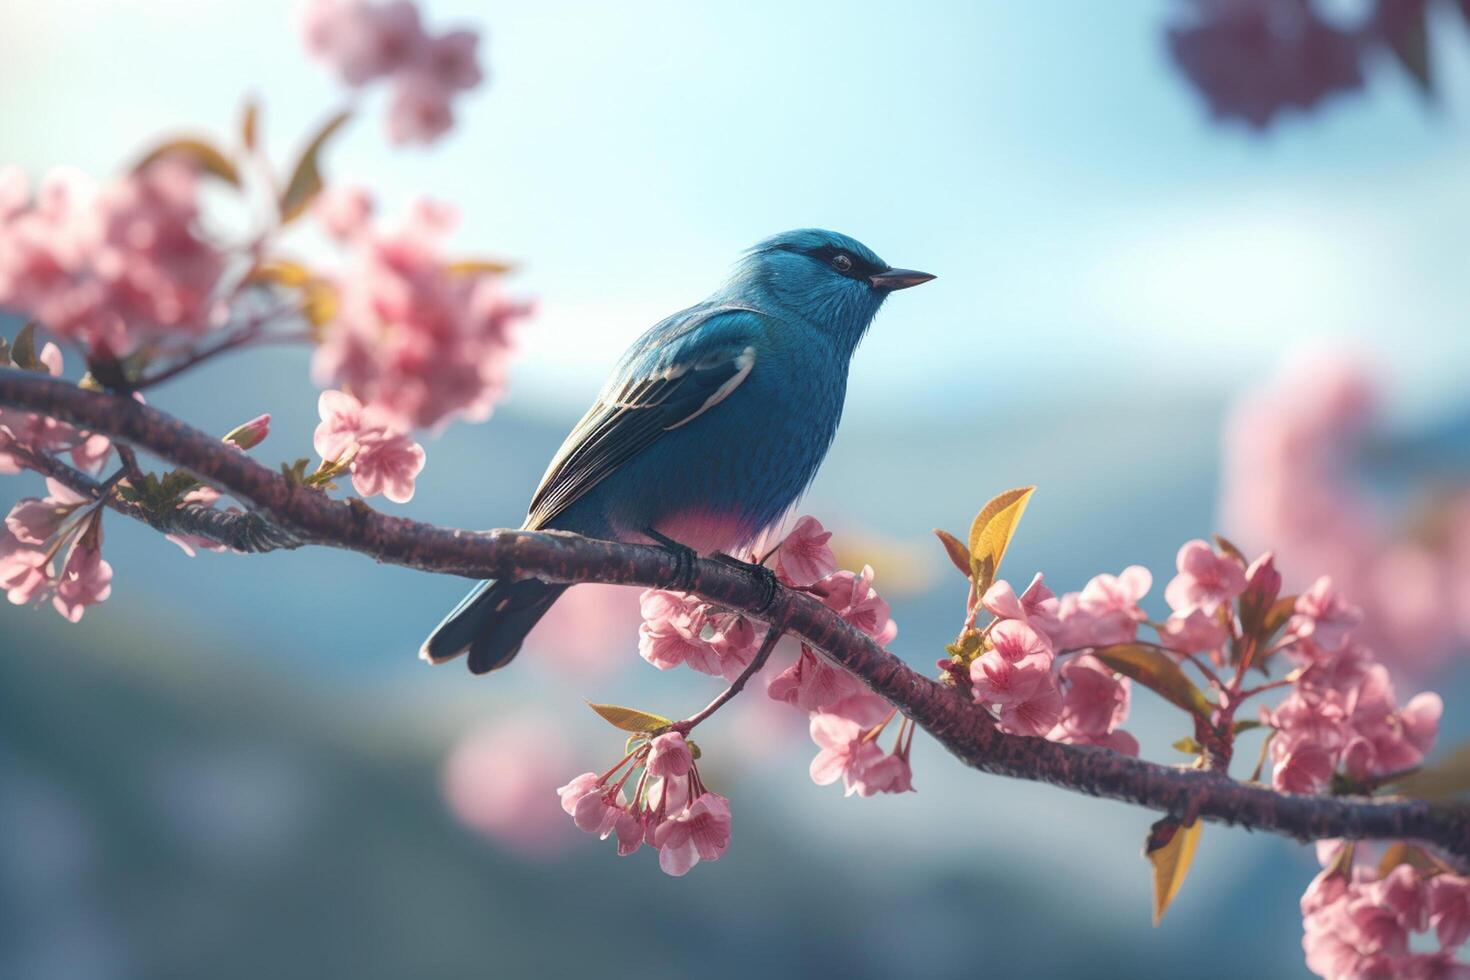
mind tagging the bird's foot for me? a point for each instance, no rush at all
(684, 559)
(769, 584)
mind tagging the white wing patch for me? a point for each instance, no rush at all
(744, 361)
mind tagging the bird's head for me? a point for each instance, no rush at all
(834, 281)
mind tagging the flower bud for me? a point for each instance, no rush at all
(251, 434)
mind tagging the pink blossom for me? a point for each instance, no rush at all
(669, 756)
(1193, 631)
(383, 459)
(1001, 682)
(1001, 601)
(115, 265)
(1205, 579)
(1324, 617)
(1095, 700)
(362, 41)
(450, 60)
(1301, 766)
(804, 557)
(45, 435)
(419, 109)
(1112, 601)
(1015, 676)
(1070, 627)
(890, 774)
(388, 466)
(1449, 908)
(85, 581)
(700, 832)
(812, 684)
(853, 598)
(845, 754)
(415, 340)
(344, 211)
(1014, 641)
(25, 572)
(1036, 715)
(573, 792)
(34, 522)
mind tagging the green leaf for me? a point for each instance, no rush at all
(956, 550)
(1281, 610)
(295, 473)
(306, 178)
(1188, 746)
(1170, 849)
(198, 152)
(630, 719)
(23, 351)
(991, 533)
(1158, 672)
(1246, 724)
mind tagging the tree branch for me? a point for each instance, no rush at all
(962, 727)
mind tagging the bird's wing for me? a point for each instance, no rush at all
(661, 386)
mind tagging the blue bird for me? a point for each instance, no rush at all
(713, 424)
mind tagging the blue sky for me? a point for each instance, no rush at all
(1091, 230)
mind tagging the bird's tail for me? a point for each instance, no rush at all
(491, 623)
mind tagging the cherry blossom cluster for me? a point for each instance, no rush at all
(1014, 668)
(110, 267)
(669, 809)
(1341, 717)
(846, 719)
(1361, 914)
(366, 42)
(415, 337)
(1293, 479)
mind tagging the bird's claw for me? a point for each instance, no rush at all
(770, 586)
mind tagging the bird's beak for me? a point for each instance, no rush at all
(892, 279)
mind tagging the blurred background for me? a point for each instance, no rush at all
(1201, 267)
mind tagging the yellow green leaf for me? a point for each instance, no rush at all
(280, 272)
(250, 124)
(1157, 671)
(1170, 849)
(306, 178)
(955, 549)
(630, 719)
(991, 533)
(479, 267)
(198, 152)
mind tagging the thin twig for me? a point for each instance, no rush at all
(751, 669)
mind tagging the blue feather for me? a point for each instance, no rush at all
(710, 428)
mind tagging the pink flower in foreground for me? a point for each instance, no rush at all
(383, 459)
(812, 683)
(1112, 601)
(1095, 702)
(85, 581)
(805, 557)
(844, 754)
(1193, 631)
(42, 434)
(669, 756)
(1205, 579)
(700, 832)
(853, 598)
(1449, 908)
(25, 572)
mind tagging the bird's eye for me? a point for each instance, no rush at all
(842, 262)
